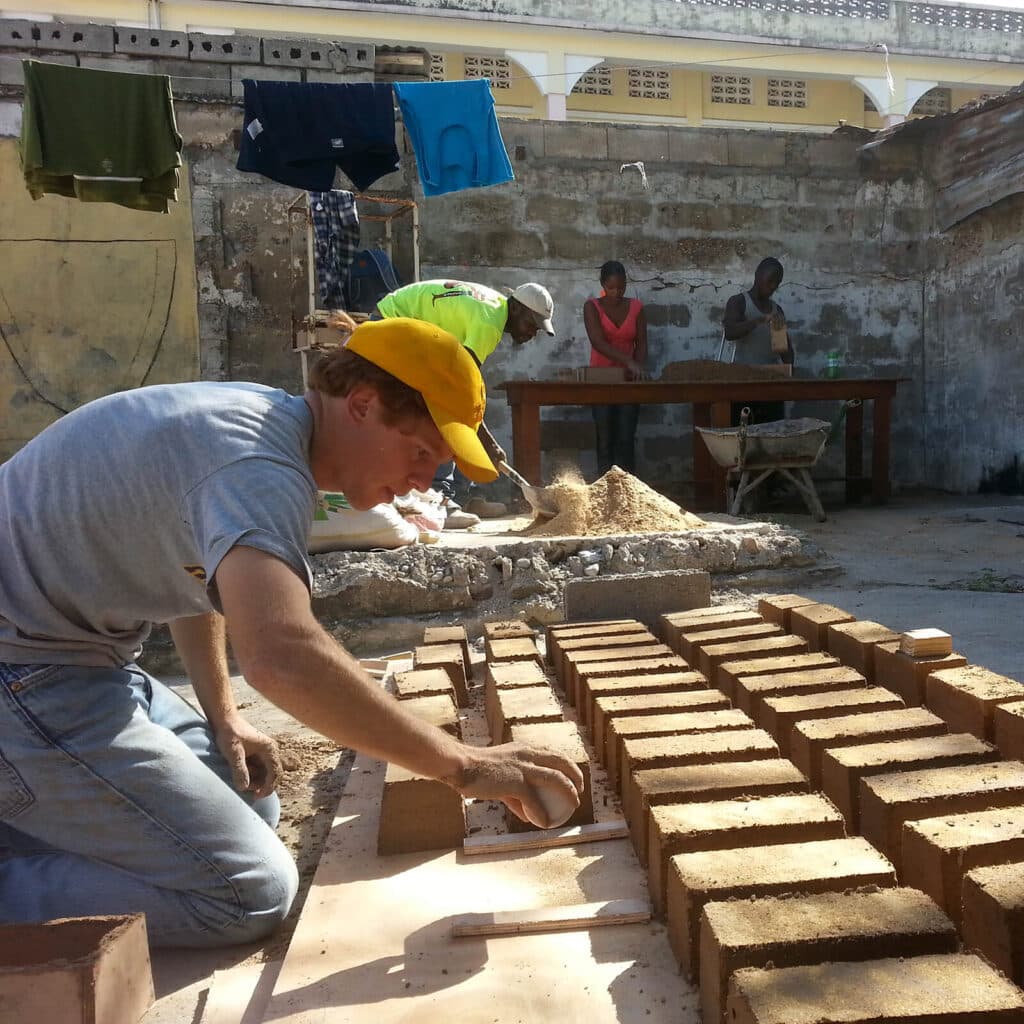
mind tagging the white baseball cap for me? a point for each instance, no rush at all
(536, 298)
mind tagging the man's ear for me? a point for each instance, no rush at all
(359, 401)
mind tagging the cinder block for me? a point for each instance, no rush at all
(418, 814)
(699, 146)
(433, 635)
(563, 737)
(437, 710)
(730, 825)
(56, 36)
(888, 802)
(750, 691)
(12, 73)
(806, 930)
(842, 768)
(938, 852)
(718, 614)
(944, 989)
(518, 648)
(967, 698)
(195, 79)
(812, 622)
(647, 595)
(907, 676)
(778, 715)
(756, 149)
(628, 143)
(508, 629)
(657, 664)
(448, 657)
(260, 72)
(120, 64)
(730, 671)
(576, 664)
(853, 643)
(778, 607)
(680, 724)
(690, 642)
(1008, 726)
(696, 879)
(641, 638)
(302, 53)
(640, 756)
(608, 710)
(576, 140)
(424, 682)
(746, 650)
(809, 740)
(234, 49)
(76, 970)
(993, 917)
(150, 42)
(522, 706)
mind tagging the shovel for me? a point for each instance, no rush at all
(539, 500)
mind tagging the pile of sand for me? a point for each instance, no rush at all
(709, 369)
(617, 503)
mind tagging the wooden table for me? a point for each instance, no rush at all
(712, 407)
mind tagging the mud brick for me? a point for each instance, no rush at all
(906, 676)
(719, 614)
(806, 930)
(809, 740)
(522, 706)
(730, 671)
(674, 629)
(511, 675)
(559, 632)
(731, 824)
(1008, 726)
(607, 670)
(696, 879)
(565, 738)
(578, 661)
(993, 917)
(449, 658)
(638, 756)
(887, 802)
(606, 710)
(812, 622)
(508, 629)
(690, 643)
(449, 635)
(854, 643)
(752, 690)
(520, 648)
(842, 768)
(648, 726)
(644, 684)
(967, 698)
(424, 682)
(746, 650)
(639, 638)
(777, 609)
(703, 783)
(417, 813)
(938, 852)
(778, 715)
(436, 710)
(943, 989)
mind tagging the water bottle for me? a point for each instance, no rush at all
(832, 366)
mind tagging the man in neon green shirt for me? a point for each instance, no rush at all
(479, 317)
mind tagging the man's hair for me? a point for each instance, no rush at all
(613, 268)
(769, 263)
(341, 371)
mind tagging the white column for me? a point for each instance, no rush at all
(555, 74)
(894, 103)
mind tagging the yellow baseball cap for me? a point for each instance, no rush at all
(434, 363)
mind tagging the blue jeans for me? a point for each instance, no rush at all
(615, 426)
(114, 799)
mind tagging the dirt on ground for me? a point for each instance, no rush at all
(711, 370)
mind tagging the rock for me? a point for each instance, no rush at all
(523, 563)
(505, 564)
(460, 575)
(589, 557)
(575, 564)
(591, 570)
(607, 552)
(750, 545)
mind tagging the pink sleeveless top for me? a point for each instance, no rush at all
(621, 337)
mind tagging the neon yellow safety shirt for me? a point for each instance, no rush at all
(474, 313)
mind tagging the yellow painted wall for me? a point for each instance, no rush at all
(94, 299)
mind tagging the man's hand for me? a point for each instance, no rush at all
(253, 756)
(636, 371)
(527, 779)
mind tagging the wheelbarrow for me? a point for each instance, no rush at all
(753, 452)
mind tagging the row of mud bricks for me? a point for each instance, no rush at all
(834, 831)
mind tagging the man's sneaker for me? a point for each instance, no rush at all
(459, 520)
(486, 509)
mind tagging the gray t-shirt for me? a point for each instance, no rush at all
(117, 515)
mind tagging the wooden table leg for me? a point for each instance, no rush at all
(881, 443)
(854, 454)
(721, 416)
(703, 471)
(526, 440)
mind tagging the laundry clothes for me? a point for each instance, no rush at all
(100, 136)
(455, 134)
(298, 134)
(336, 236)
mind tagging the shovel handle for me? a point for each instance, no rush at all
(518, 480)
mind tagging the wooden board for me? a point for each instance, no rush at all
(374, 943)
(598, 832)
(578, 916)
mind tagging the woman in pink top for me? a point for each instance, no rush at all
(618, 337)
